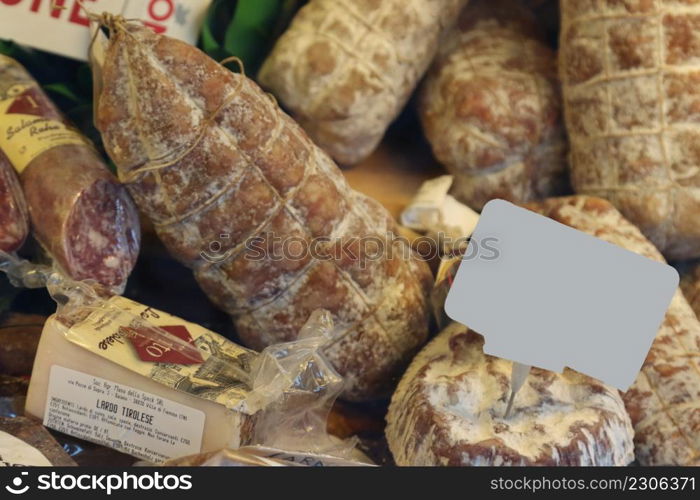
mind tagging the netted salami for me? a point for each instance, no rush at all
(491, 107)
(79, 212)
(630, 72)
(345, 68)
(211, 158)
(690, 285)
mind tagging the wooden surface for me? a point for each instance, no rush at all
(393, 174)
(19, 337)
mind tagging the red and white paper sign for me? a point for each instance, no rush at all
(65, 30)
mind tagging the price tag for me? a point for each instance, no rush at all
(554, 296)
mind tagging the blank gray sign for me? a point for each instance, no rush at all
(553, 296)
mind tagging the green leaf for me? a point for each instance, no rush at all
(216, 21)
(208, 41)
(248, 35)
(5, 48)
(62, 89)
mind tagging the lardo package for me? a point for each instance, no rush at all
(124, 375)
(62, 27)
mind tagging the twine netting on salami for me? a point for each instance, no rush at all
(346, 68)
(629, 79)
(205, 153)
(662, 403)
(491, 107)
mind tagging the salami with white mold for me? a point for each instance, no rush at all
(205, 152)
(79, 212)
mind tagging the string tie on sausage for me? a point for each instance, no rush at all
(113, 22)
(117, 23)
(133, 175)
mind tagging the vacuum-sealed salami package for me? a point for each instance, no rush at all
(79, 212)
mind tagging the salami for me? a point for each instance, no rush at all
(690, 285)
(629, 72)
(345, 68)
(206, 153)
(14, 218)
(79, 212)
(448, 410)
(491, 107)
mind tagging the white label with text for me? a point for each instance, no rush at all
(124, 418)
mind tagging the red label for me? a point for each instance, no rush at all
(163, 350)
(166, 8)
(33, 102)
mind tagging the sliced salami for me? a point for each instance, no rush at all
(79, 212)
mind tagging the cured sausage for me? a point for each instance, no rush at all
(448, 410)
(205, 152)
(14, 218)
(629, 74)
(345, 68)
(491, 107)
(662, 403)
(79, 212)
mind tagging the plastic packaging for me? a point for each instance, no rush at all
(79, 212)
(224, 458)
(433, 210)
(289, 387)
(258, 456)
